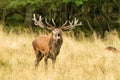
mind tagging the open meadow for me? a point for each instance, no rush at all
(78, 60)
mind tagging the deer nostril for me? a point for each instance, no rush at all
(58, 35)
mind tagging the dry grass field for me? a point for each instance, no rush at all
(78, 60)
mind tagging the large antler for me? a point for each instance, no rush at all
(41, 24)
(71, 25)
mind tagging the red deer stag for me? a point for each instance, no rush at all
(49, 46)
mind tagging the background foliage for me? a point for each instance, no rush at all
(97, 15)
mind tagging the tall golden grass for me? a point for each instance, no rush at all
(78, 60)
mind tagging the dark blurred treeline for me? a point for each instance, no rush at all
(96, 15)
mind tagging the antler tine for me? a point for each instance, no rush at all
(40, 18)
(71, 22)
(80, 23)
(53, 22)
(71, 26)
(76, 21)
(64, 23)
(48, 23)
(34, 19)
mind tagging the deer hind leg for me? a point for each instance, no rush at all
(46, 61)
(39, 57)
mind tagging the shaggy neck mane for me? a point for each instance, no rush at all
(55, 45)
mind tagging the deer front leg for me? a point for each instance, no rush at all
(46, 62)
(53, 62)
